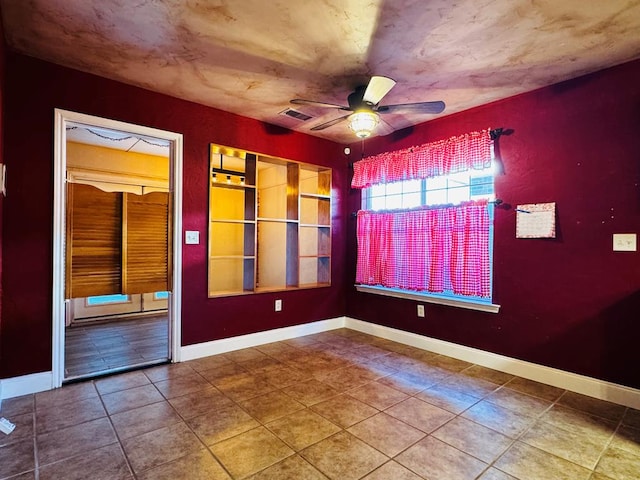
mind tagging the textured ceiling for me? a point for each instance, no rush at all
(252, 56)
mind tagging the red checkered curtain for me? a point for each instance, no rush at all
(444, 157)
(430, 249)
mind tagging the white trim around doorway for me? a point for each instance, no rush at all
(61, 117)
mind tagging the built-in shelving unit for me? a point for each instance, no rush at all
(270, 223)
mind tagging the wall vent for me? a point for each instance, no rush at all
(290, 112)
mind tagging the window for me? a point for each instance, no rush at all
(426, 229)
(107, 299)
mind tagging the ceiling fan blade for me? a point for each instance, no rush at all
(378, 87)
(313, 103)
(420, 107)
(330, 123)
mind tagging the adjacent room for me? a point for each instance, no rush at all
(344, 240)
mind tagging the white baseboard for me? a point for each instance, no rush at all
(224, 345)
(27, 384)
(592, 387)
(38, 382)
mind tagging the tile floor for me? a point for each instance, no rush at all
(95, 348)
(339, 405)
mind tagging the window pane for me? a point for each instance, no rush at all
(411, 200)
(436, 197)
(104, 299)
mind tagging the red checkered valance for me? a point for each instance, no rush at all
(444, 249)
(444, 157)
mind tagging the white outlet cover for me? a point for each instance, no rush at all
(625, 242)
(191, 237)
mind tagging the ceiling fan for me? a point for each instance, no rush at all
(364, 103)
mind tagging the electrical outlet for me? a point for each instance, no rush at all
(278, 305)
(421, 311)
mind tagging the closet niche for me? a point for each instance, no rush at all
(269, 223)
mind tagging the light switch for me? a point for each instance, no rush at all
(625, 242)
(191, 237)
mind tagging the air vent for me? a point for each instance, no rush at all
(290, 112)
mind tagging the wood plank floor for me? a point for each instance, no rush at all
(94, 349)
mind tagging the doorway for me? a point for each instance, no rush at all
(125, 314)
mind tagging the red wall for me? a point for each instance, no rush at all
(33, 89)
(569, 302)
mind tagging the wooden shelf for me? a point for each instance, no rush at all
(274, 232)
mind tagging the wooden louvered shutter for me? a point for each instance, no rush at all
(94, 237)
(145, 243)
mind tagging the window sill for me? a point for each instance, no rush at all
(430, 298)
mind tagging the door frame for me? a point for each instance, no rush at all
(61, 117)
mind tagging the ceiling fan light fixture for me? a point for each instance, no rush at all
(363, 123)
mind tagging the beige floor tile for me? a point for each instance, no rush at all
(536, 389)
(500, 419)
(160, 446)
(310, 392)
(449, 363)
(619, 464)
(594, 406)
(271, 406)
(392, 471)
(348, 378)
(67, 394)
(495, 474)
(447, 398)
(69, 414)
(200, 465)
(409, 383)
(632, 418)
(244, 386)
(224, 373)
(344, 410)
(22, 431)
(222, 423)
(244, 355)
(273, 349)
(164, 372)
(627, 438)
(435, 460)
(10, 407)
(378, 395)
(261, 364)
(493, 376)
(182, 385)
(579, 422)
(144, 419)
(291, 468)
(579, 449)
(475, 387)
(285, 376)
(386, 433)
(528, 463)
(474, 439)
(207, 363)
(343, 457)
(123, 381)
(200, 402)
(67, 442)
(132, 398)
(106, 463)
(16, 458)
(250, 452)
(518, 402)
(419, 414)
(302, 428)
